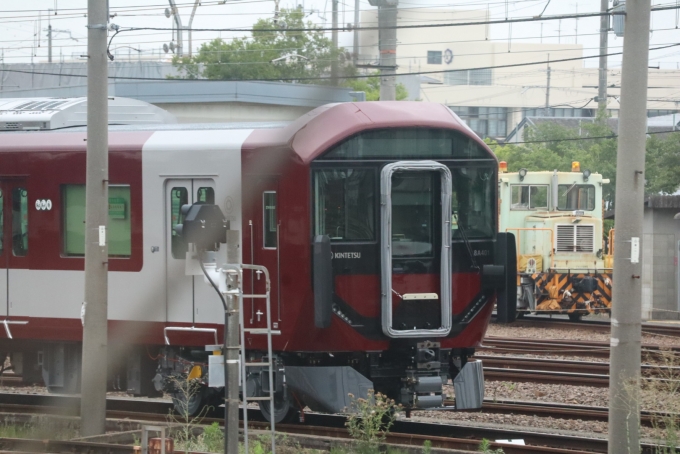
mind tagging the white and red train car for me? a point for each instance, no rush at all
(403, 194)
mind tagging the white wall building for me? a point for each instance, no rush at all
(494, 91)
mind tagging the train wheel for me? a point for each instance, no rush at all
(574, 317)
(284, 411)
(188, 405)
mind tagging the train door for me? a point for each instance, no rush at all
(13, 238)
(416, 244)
(263, 222)
(182, 290)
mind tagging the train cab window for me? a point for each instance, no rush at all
(2, 221)
(178, 197)
(119, 230)
(576, 197)
(206, 195)
(412, 215)
(529, 197)
(270, 220)
(345, 204)
(19, 222)
(473, 202)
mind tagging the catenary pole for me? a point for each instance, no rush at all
(357, 19)
(547, 89)
(334, 62)
(387, 20)
(624, 372)
(95, 305)
(49, 43)
(604, 31)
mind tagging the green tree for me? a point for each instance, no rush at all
(371, 86)
(303, 54)
(662, 164)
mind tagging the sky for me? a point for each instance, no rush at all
(23, 35)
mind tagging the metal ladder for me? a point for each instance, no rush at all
(243, 364)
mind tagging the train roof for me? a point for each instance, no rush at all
(308, 137)
(48, 114)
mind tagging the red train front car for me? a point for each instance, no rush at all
(377, 223)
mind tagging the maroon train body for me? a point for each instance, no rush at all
(401, 185)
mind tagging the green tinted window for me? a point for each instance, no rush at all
(119, 231)
(408, 143)
(178, 197)
(19, 222)
(206, 195)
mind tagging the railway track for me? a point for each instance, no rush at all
(404, 432)
(559, 347)
(663, 329)
(561, 372)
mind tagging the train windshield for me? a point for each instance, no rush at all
(473, 202)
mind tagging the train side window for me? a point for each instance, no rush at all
(270, 219)
(19, 222)
(178, 197)
(119, 230)
(529, 197)
(206, 195)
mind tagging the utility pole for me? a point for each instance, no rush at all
(357, 19)
(95, 306)
(387, 37)
(49, 43)
(604, 34)
(624, 369)
(178, 25)
(191, 21)
(335, 55)
(547, 91)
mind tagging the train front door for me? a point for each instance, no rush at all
(184, 291)
(262, 248)
(416, 249)
(13, 237)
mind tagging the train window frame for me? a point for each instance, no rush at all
(270, 219)
(528, 207)
(375, 187)
(591, 195)
(19, 229)
(120, 218)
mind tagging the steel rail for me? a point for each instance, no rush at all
(561, 347)
(594, 325)
(451, 436)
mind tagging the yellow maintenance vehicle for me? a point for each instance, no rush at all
(557, 220)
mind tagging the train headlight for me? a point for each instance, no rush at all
(522, 174)
(586, 175)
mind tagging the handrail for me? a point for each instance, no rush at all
(612, 237)
(185, 328)
(552, 245)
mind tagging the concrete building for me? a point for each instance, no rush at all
(484, 85)
(660, 253)
(190, 101)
